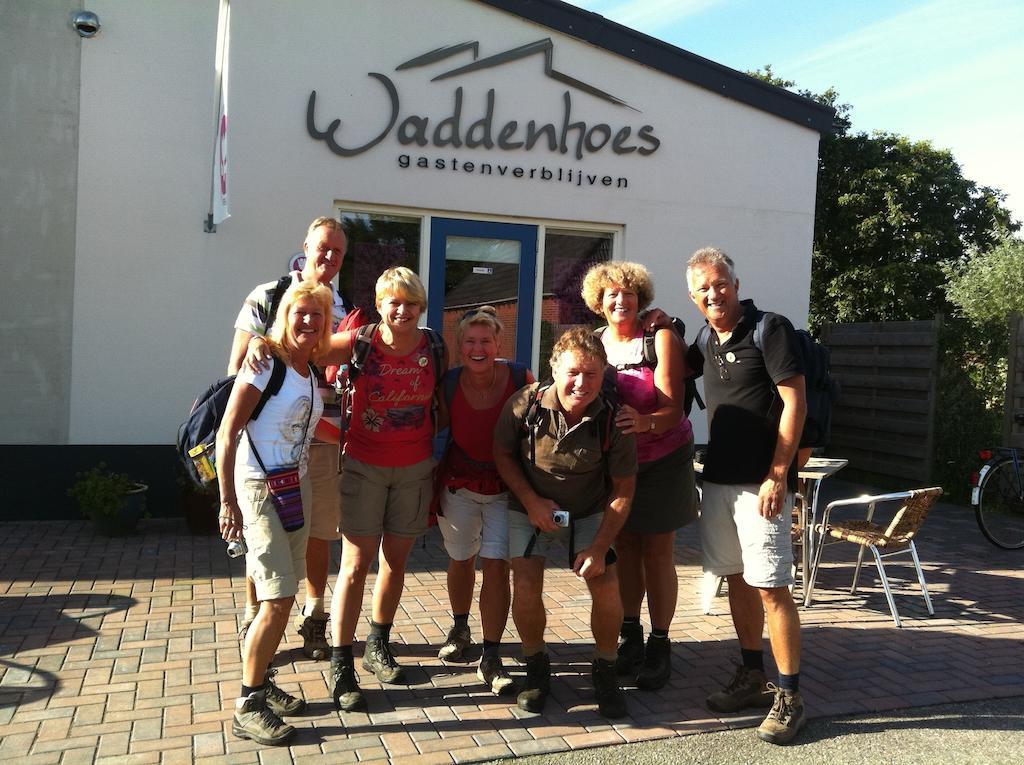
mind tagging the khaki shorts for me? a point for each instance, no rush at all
(392, 500)
(326, 507)
(276, 560)
(520, 532)
(735, 539)
(474, 523)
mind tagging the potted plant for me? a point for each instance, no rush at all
(112, 501)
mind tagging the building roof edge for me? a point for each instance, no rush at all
(665, 57)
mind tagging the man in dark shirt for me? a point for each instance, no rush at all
(754, 386)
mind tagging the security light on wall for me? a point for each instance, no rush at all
(86, 23)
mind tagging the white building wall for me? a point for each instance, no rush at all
(155, 297)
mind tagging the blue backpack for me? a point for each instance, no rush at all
(197, 435)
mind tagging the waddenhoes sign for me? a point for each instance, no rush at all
(458, 128)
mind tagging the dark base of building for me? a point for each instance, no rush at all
(36, 479)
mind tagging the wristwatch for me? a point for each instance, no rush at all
(650, 417)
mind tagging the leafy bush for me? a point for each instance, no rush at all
(100, 492)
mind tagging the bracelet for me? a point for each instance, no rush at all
(650, 418)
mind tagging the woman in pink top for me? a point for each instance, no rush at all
(651, 392)
(387, 473)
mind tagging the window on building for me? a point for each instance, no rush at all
(568, 255)
(376, 243)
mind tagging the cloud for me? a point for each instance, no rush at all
(906, 40)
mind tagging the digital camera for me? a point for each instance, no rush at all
(560, 517)
(237, 548)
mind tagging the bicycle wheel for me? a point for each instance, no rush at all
(1000, 507)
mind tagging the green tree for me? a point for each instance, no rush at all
(894, 220)
(890, 214)
(988, 285)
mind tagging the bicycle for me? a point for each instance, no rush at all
(997, 495)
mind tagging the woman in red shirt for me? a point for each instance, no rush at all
(387, 474)
(474, 506)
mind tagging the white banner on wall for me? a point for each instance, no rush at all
(220, 199)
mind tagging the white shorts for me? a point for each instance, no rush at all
(474, 524)
(735, 539)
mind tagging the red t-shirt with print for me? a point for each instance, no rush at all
(391, 424)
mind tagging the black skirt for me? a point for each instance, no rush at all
(666, 498)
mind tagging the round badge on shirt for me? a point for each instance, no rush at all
(423, 361)
(730, 357)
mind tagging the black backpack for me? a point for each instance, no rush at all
(362, 342)
(197, 435)
(822, 390)
(650, 361)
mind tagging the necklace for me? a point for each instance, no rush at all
(486, 389)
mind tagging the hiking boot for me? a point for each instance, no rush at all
(457, 642)
(537, 684)
(611, 701)
(748, 688)
(785, 719)
(280, 703)
(348, 696)
(244, 630)
(657, 666)
(493, 674)
(630, 653)
(313, 629)
(255, 721)
(377, 659)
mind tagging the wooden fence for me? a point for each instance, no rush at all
(1013, 431)
(884, 422)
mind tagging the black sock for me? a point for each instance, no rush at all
(789, 682)
(462, 621)
(380, 631)
(341, 655)
(491, 647)
(248, 690)
(661, 634)
(630, 626)
(753, 659)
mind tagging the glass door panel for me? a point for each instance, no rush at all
(474, 263)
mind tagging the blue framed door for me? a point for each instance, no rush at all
(474, 263)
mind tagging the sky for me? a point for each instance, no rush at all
(946, 71)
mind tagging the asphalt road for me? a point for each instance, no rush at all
(988, 732)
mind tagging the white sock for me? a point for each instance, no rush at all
(314, 607)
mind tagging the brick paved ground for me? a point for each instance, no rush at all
(125, 651)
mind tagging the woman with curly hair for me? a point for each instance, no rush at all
(651, 392)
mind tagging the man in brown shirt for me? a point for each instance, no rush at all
(558, 451)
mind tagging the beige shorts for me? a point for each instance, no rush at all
(474, 523)
(735, 539)
(378, 500)
(276, 560)
(323, 477)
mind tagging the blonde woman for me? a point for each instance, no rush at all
(651, 393)
(387, 471)
(278, 439)
(474, 503)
